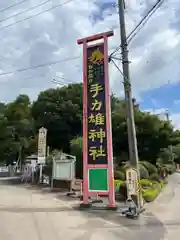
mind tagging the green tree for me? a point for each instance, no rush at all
(2, 108)
(152, 133)
(60, 111)
(19, 119)
(6, 139)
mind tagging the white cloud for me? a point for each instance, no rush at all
(52, 36)
(176, 102)
(162, 114)
(175, 118)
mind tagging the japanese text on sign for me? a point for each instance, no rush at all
(131, 179)
(97, 139)
(42, 145)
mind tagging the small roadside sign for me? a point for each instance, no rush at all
(132, 180)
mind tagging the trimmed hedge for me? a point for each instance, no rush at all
(118, 175)
(117, 184)
(171, 169)
(151, 194)
(154, 177)
(143, 172)
(150, 167)
(145, 183)
(150, 190)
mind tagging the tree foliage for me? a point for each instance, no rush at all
(17, 129)
(60, 111)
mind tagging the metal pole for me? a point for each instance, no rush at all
(40, 173)
(48, 151)
(133, 152)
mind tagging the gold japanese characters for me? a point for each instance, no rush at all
(97, 143)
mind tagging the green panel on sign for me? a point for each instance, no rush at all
(98, 179)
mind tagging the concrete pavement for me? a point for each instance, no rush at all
(167, 207)
(29, 214)
(33, 214)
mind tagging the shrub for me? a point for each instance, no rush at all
(117, 184)
(143, 172)
(150, 195)
(76, 150)
(161, 183)
(150, 167)
(123, 191)
(121, 169)
(145, 183)
(119, 175)
(154, 177)
(171, 169)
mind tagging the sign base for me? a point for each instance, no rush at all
(85, 206)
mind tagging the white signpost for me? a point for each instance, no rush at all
(132, 182)
(42, 149)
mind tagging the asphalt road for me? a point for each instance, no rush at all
(27, 213)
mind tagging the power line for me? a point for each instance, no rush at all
(60, 82)
(38, 66)
(13, 5)
(62, 78)
(118, 68)
(148, 15)
(35, 15)
(145, 20)
(44, 65)
(27, 10)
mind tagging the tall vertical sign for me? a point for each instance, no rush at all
(97, 131)
(42, 150)
(42, 145)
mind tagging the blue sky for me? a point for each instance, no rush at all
(167, 96)
(162, 99)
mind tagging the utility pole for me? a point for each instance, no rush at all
(167, 115)
(133, 152)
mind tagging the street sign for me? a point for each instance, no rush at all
(64, 167)
(42, 145)
(131, 180)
